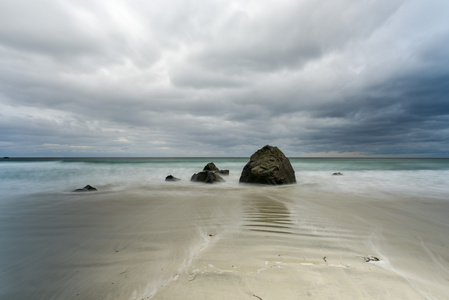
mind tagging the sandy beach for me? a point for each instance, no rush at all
(191, 241)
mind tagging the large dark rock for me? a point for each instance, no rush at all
(207, 177)
(87, 188)
(268, 166)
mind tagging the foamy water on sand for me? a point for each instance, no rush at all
(139, 237)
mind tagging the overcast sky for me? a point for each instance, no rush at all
(224, 78)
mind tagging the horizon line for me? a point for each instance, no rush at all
(219, 157)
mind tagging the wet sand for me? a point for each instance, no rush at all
(221, 242)
(316, 249)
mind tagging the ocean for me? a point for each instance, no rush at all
(379, 231)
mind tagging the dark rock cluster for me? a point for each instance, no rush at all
(266, 166)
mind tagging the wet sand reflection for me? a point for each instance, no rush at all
(268, 215)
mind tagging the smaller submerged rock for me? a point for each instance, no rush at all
(87, 188)
(212, 167)
(207, 177)
(209, 174)
(223, 172)
(337, 173)
(171, 178)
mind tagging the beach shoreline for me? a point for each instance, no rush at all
(159, 240)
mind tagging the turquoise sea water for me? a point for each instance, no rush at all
(32, 175)
(138, 233)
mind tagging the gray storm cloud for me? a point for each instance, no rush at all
(215, 78)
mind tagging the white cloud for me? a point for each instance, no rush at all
(312, 76)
